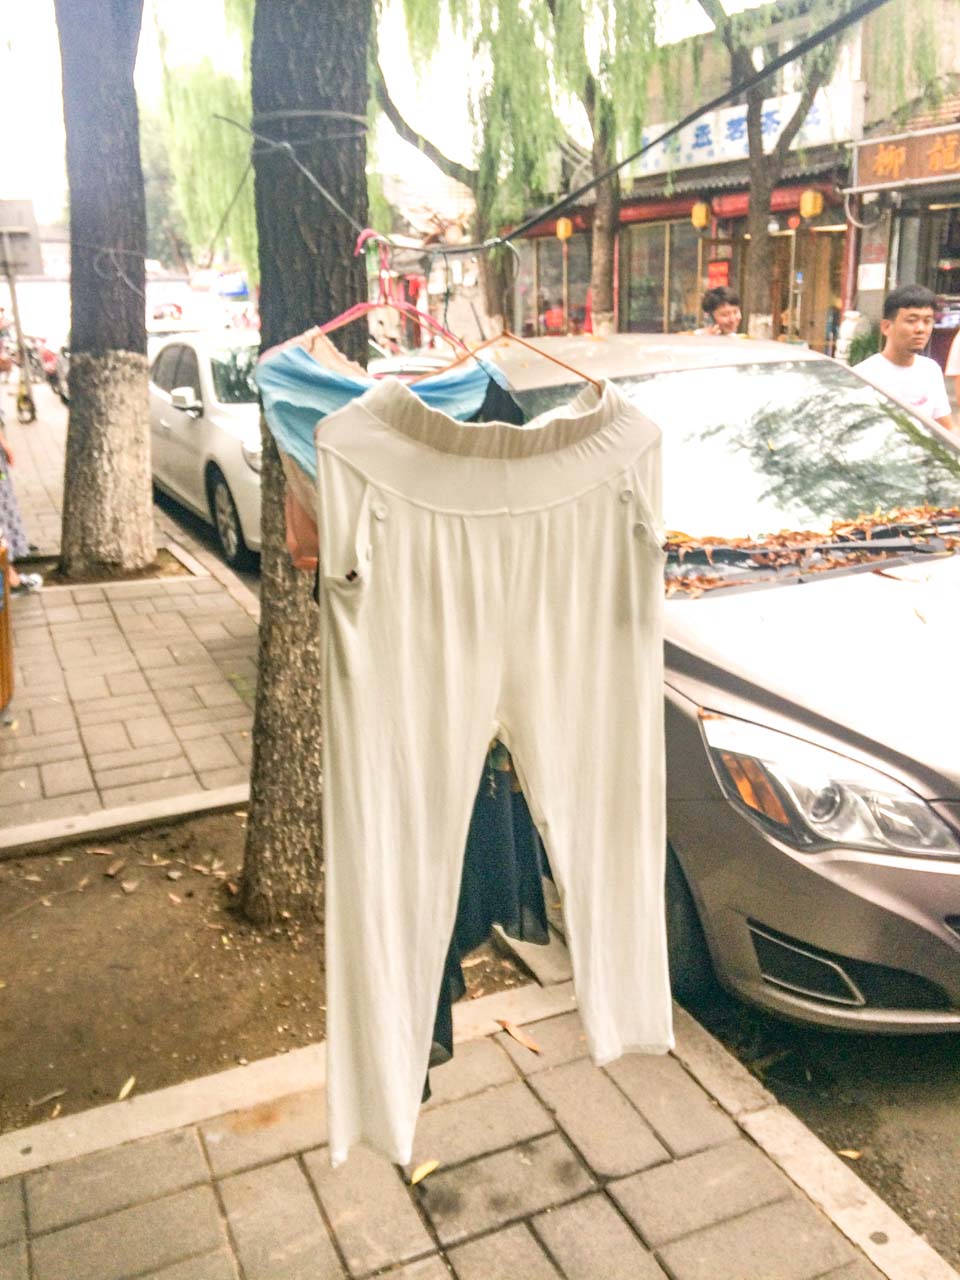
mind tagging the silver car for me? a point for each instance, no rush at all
(205, 433)
(812, 708)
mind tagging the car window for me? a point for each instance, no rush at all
(164, 368)
(232, 369)
(188, 371)
(754, 449)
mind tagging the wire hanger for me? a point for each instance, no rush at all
(388, 298)
(507, 335)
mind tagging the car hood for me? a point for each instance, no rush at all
(872, 654)
(240, 420)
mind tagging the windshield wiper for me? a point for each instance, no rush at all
(765, 557)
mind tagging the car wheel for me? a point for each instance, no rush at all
(226, 522)
(691, 971)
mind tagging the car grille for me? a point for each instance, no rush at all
(805, 970)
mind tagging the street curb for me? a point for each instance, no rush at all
(36, 837)
(893, 1247)
(191, 552)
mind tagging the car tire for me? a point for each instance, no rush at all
(226, 522)
(692, 978)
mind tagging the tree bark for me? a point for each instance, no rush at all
(308, 56)
(107, 504)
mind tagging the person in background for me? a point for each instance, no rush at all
(898, 367)
(722, 308)
(11, 525)
(952, 369)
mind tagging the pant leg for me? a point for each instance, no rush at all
(582, 714)
(413, 665)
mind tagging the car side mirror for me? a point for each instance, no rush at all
(185, 399)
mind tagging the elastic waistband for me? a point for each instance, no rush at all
(396, 441)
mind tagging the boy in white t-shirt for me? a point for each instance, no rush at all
(898, 368)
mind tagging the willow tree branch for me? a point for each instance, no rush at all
(459, 172)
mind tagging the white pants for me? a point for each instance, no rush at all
(478, 582)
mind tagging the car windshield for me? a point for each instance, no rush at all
(233, 380)
(754, 449)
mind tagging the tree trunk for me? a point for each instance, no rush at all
(757, 299)
(606, 218)
(107, 501)
(308, 56)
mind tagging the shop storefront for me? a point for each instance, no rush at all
(905, 188)
(553, 282)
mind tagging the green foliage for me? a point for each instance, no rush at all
(901, 56)
(166, 228)
(864, 344)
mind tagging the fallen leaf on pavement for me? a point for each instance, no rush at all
(47, 1097)
(102, 853)
(520, 1036)
(33, 879)
(82, 884)
(232, 888)
(115, 867)
(127, 1089)
(174, 875)
(55, 1112)
(45, 902)
(851, 1155)
(174, 899)
(129, 886)
(423, 1171)
(196, 866)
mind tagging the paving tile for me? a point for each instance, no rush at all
(513, 1252)
(497, 1189)
(88, 595)
(561, 1039)
(213, 779)
(210, 753)
(476, 1064)
(85, 688)
(93, 1186)
(13, 1261)
(18, 786)
(12, 1221)
(149, 731)
(18, 739)
(103, 710)
(102, 739)
(204, 714)
(65, 778)
(208, 631)
(241, 744)
(678, 1110)
(139, 793)
(178, 699)
(45, 755)
(89, 611)
(175, 765)
(206, 728)
(218, 694)
(370, 1211)
(128, 682)
(729, 1180)
(790, 1240)
(154, 657)
(52, 719)
(132, 756)
(859, 1270)
(14, 815)
(598, 1119)
(590, 1240)
(432, 1268)
(140, 1239)
(177, 677)
(61, 613)
(485, 1122)
(268, 1132)
(277, 1229)
(212, 1266)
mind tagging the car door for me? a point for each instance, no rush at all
(162, 375)
(185, 437)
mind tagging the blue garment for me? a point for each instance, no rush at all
(297, 392)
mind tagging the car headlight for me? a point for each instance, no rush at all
(253, 457)
(814, 798)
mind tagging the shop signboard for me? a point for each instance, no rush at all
(906, 159)
(718, 272)
(835, 116)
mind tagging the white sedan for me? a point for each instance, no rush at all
(205, 433)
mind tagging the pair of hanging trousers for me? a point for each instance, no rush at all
(482, 581)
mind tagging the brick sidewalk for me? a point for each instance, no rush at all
(550, 1168)
(127, 693)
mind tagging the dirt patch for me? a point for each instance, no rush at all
(149, 972)
(166, 565)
